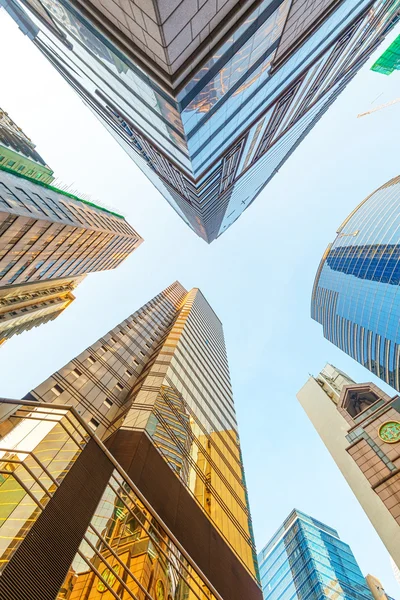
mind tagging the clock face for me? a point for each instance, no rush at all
(160, 592)
(390, 432)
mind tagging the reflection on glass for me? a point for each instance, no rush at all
(241, 62)
(126, 554)
(37, 449)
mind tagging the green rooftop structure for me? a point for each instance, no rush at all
(18, 152)
(390, 59)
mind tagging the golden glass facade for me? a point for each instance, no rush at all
(37, 448)
(125, 553)
(190, 379)
(160, 377)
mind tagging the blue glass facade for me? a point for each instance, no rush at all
(356, 295)
(212, 143)
(306, 560)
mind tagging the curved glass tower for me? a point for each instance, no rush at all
(356, 291)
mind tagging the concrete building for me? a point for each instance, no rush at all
(208, 98)
(160, 511)
(18, 153)
(23, 307)
(377, 589)
(360, 426)
(49, 240)
(356, 293)
(307, 559)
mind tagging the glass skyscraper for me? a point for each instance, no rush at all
(158, 513)
(356, 291)
(306, 559)
(209, 101)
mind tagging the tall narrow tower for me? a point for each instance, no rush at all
(156, 391)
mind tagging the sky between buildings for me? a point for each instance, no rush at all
(258, 277)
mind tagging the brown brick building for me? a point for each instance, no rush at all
(374, 436)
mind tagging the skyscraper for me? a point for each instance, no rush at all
(360, 426)
(307, 559)
(23, 307)
(164, 512)
(18, 153)
(356, 291)
(208, 98)
(49, 240)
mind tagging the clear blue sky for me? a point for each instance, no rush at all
(258, 277)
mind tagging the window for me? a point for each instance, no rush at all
(142, 353)
(119, 387)
(107, 403)
(114, 340)
(8, 267)
(51, 263)
(11, 198)
(35, 204)
(103, 349)
(127, 372)
(57, 390)
(11, 163)
(18, 273)
(50, 201)
(42, 201)
(91, 360)
(4, 201)
(93, 424)
(136, 361)
(76, 372)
